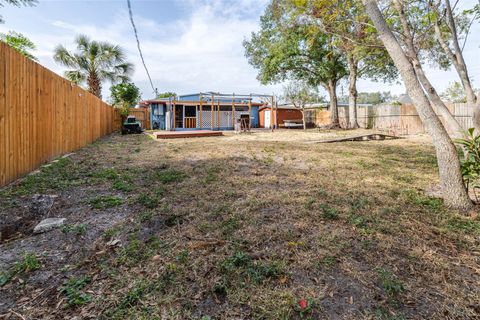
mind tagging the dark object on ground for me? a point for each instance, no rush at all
(367, 137)
(131, 126)
(187, 134)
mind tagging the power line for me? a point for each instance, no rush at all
(138, 46)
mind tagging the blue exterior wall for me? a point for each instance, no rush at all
(255, 116)
(157, 116)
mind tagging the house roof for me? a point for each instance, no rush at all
(146, 103)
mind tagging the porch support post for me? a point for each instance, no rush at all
(218, 114)
(250, 112)
(174, 115)
(233, 111)
(213, 107)
(273, 114)
(200, 115)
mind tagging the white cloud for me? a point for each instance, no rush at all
(202, 51)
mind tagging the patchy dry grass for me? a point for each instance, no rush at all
(244, 227)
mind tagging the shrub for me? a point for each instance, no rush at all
(72, 289)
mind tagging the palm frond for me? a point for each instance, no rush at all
(83, 43)
(75, 76)
(62, 56)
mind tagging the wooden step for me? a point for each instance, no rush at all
(187, 134)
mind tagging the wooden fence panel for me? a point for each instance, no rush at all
(463, 113)
(43, 116)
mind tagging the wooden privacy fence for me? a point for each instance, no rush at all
(142, 115)
(394, 118)
(43, 116)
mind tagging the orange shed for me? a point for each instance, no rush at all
(281, 113)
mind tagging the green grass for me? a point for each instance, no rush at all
(465, 225)
(148, 200)
(240, 268)
(76, 229)
(73, 291)
(104, 202)
(106, 174)
(124, 186)
(327, 262)
(390, 283)
(29, 263)
(171, 175)
(57, 176)
(417, 198)
(328, 212)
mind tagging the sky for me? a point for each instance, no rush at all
(189, 45)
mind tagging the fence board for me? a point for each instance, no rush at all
(43, 116)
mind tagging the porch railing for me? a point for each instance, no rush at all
(190, 122)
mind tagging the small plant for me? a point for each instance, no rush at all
(309, 203)
(241, 265)
(104, 202)
(4, 278)
(328, 261)
(211, 175)
(109, 233)
(171, 175)
(390, 284)
(470, 165)
(77, 229)
(304, 307)
(121, 185)
(328, 212)
(72, 289)
(229, 226)
(182, 257)
(148, 201)
(28, 263)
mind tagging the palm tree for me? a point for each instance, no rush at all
(16, 3)
(93, 63)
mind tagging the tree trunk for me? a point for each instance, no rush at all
(352, 93)
(412, 54)
(453, 189)
(459, 64)
(456, 57)
(462, 70)
(451, 123)
(332, 92)
(303, 119)
(94, 85)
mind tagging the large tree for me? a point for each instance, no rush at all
(93, 63)
(345, 22)
(453, 188)
(410, 21)
(449, 30)
(20, 43)
(16, 3)
(285, 49)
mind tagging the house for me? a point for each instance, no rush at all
(210, 110)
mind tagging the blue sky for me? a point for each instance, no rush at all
(189, 45)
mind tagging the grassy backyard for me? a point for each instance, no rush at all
(240, 227)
